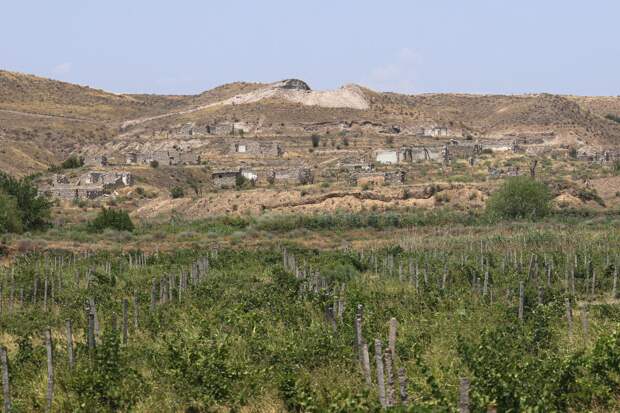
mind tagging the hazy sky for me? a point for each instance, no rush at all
(187, 46)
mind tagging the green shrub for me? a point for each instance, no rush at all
(33, 210)
(177, 192)
(520, 197)
(72, 162)
(612, 117)
(154, 164)
(117, 219)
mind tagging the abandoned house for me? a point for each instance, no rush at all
(228, 128)
(356, 167)
(437, 132)
(247, 147)
(88, 186)
(250, 175)
(225, 178)
(387, 156)
(109, 180)
(295, 176)
(170, 157)
(96, 161)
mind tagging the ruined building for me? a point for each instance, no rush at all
(225, 178)
(171, 157)
(90, 185)
(301, 176)
(254, 148)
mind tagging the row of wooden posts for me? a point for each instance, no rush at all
(385, 360)
(197, 273)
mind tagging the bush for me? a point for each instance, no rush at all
(117, 219)
(177, 192)
(316, 139)
(613, 117)
(520, 197)
(10, 221)
(73, 162)
(154, 164)
(32, 209)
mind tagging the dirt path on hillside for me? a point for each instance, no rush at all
(48, 116)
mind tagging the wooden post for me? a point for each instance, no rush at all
(50, 370)
(93, 310)
(125, 316)
(366, 364)
(153, 294)
(70, 343)
(392, 336)
(135, 311)
(584, 321)
(569, 316)
(6, 392)
(380, 377)
(92, 343)
(45, 286)
(463, 395)
(521, 299)
(34, 291)
(358, 331)
(402, 381)
(390, 395)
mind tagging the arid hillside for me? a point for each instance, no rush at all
(43, 121)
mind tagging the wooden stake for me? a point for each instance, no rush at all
(463, 395)
(392, 336)
(521, 299)
(366, 364)
(6, 392)
(402, 381)
(125, 316)
(380, 376)
(50, 370)
(70, 343)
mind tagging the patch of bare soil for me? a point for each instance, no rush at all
(608, 189)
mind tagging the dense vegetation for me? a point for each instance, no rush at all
(117, 219)
(21, 208)
(274, 328)
(520, 197)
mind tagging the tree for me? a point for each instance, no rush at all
(33, 210)
(316, 139)
(117, 219)
(520, 197)
(154, 164)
